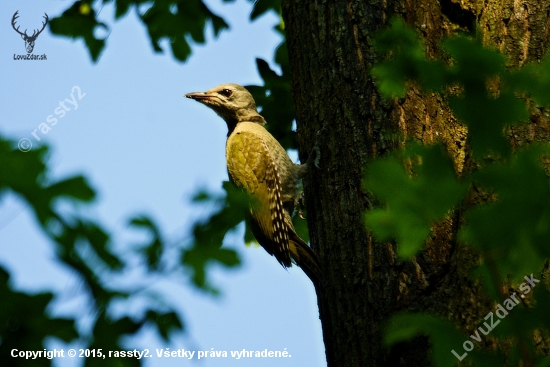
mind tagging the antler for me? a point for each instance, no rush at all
(15, 16)
(34, 34)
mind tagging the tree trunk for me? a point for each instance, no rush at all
(331, 53)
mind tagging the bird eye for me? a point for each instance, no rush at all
(226, 92)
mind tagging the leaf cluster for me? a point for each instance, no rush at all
(180, 22)
(419, 186)
(85, 247)
(175, 21)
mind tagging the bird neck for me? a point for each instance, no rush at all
(251, 116)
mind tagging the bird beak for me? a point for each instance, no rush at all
(197, 96)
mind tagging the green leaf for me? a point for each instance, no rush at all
(249, 238)
(534, 80)
(523, 321)
(154, 248)
(21, 171)
(486, 118)
(472, 63)
(414, 201)
(514, 228)
(274, 99)
(25, 321)
(443, 335)
(471, 66)
(406, 61)
(122, 7)
(166, 323)
(74, 187)
(99, 240)
(444, 338)
(208, 235)
(171, 20)
(189, 19)
(108, 332)
(197, 258)
(227, 257)
(263, 6)
(79, 21)
(390, 79)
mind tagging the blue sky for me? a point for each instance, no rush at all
(147, 149)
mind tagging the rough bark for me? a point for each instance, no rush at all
(330, 50)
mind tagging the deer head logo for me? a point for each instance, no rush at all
(29, 40)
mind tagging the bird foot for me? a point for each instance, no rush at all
(302, 205)
(299, 205)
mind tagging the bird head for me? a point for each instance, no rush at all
(231, 102)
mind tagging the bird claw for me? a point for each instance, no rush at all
(300, 205)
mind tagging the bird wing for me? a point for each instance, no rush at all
(252, 168)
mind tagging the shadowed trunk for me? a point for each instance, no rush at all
(331, 53)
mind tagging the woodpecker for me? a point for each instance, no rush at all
(260, 166)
